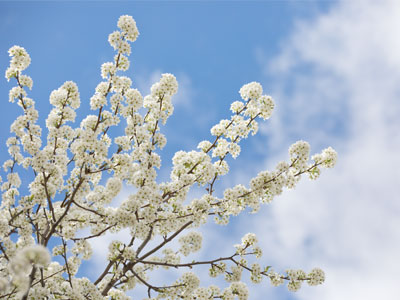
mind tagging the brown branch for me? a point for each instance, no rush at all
(64, 255)
(129, 265)
(69, 203)
(4, 252)
(167, 240)
(88, 209)
(189, 265)
(94, 235)
(46, 178)
(108, 267)
(31, 277)
(144, 243)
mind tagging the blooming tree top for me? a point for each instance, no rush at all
(42, 247)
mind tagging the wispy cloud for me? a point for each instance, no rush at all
(337, 81)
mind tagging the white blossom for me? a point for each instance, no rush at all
(316, 277)
(128, 27)
(251, 90)
(32, 255)
(59, 191)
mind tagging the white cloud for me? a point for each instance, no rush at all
(343, 70)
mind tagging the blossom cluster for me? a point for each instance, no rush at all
(61, 202)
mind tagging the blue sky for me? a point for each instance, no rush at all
(333, 68)
(210, 44)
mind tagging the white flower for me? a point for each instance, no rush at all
(80, 170)
(299, 150)
(276, 279)
(20, 59)
(294, 286)
(249, 239)
(25, 80)
(266, 106)
(316, 276)
(114, 39)
(329, 157)
(128, 27)
(31, 255)
(134, 99)
(239, 289)
(166, 86)
(3, 284)
(190, 280)
(237, 106)
(107, 69)
(190, 243)
(252, 90)
(118, 295)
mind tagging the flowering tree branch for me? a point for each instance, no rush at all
(65, 205)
